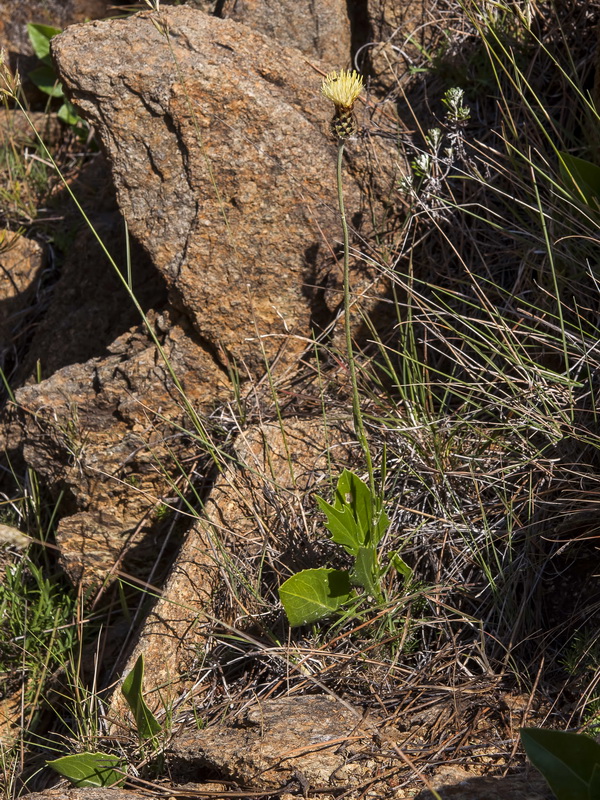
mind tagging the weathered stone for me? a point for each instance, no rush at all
(116, 793)
(269, 463)
(101, 431)
(399, 34)
(14, 17)
(525, 786)
(87, 307)
(86, 794)
(224, 169)
(275, 741)
(319, 30)
(21, 262)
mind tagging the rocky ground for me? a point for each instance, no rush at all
(164, 390)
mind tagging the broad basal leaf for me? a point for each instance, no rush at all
(594, 784)
(67, 114)
(147, 724)
(313, 594)
(583, 175)
(45, 79)
(342, 526)
(566, 760)
(90, 769)
(39, 36)
(355, 495)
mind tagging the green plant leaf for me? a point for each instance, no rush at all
(353, 519)
(582, 175)
(313, 594)
(147, 724)
(367, 572)
(90, 769)
(566, 760)
(67, 114)
(594, 784)
(342, 526)
(382, 523)
(39, 36)
(45, 79)
(400, 565)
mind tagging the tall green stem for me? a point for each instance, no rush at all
(356, 409)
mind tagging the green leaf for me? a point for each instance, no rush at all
(342, 526)
(90, 769)
(39, 36)
(45, 79)
(400, 565)
(353, 520)
(594, 784)
(582, 175)
(313, 594)
(380, 527)
(367, 572)
(68, 114)
(147, 724)
(566, 760)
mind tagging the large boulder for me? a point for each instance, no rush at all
(224, 168)
(218, 143)
(319, 30)
(108, 435)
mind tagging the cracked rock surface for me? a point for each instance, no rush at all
(224, 169)
(307, 739)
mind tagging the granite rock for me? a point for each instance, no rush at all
(105, 435)
(319, 30)
(264, 750)
(269, 463)
(224, 168)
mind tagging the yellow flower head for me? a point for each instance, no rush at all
(342, 88)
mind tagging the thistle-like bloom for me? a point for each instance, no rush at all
(343, 88)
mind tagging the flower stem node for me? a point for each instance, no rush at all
(343, 88)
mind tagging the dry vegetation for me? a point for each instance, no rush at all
(479, 396)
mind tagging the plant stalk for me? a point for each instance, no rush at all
(356, 409)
